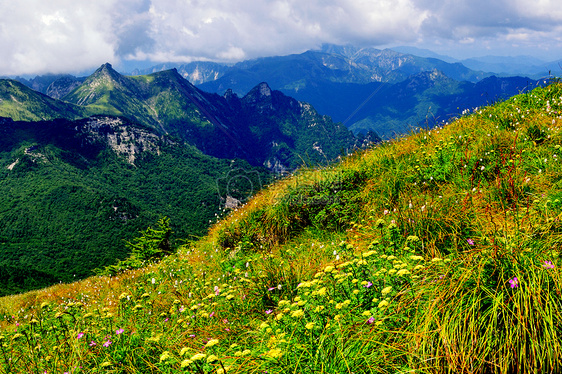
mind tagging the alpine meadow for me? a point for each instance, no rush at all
(434, 252)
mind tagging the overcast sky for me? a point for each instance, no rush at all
(40, 36)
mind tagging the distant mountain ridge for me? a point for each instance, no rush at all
(264, 126)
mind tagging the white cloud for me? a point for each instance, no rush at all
(38, 36)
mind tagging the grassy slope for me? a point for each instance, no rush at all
(23, 104)
(437, 252)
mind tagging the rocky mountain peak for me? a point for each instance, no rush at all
(259, 97)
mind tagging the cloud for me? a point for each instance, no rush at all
(39, 36)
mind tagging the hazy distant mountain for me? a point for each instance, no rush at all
(195, 72)
(427, 99)
(424, 53)
(334, 64)
(53, 85)
(506, 65)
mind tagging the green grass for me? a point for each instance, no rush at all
(437, 252)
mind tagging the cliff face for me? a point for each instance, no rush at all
(126, 141)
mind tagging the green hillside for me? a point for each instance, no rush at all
(24, 104)
(434, 253)
(75, 191)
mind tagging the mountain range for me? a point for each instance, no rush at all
(81, 175)
(364, 88)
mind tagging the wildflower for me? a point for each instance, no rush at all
(548, 265)
(80, 335)
(165, 356)
(371, 320)
(368, 284)
(310, 325)
(92, 344)
(269, 311)
(470, 241)
(198, 356)
(297, 313)
(412, 238)
(120, 331)
(274, 353)
(211, 342)
(514, 282)
(386, 290)
(403, 272)
(154, 338)
(107, 343)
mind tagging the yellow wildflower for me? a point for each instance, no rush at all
(403, 272)
(198, 356)
(297, 313)
(274, 353)
(386, 290)
(211, 342)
